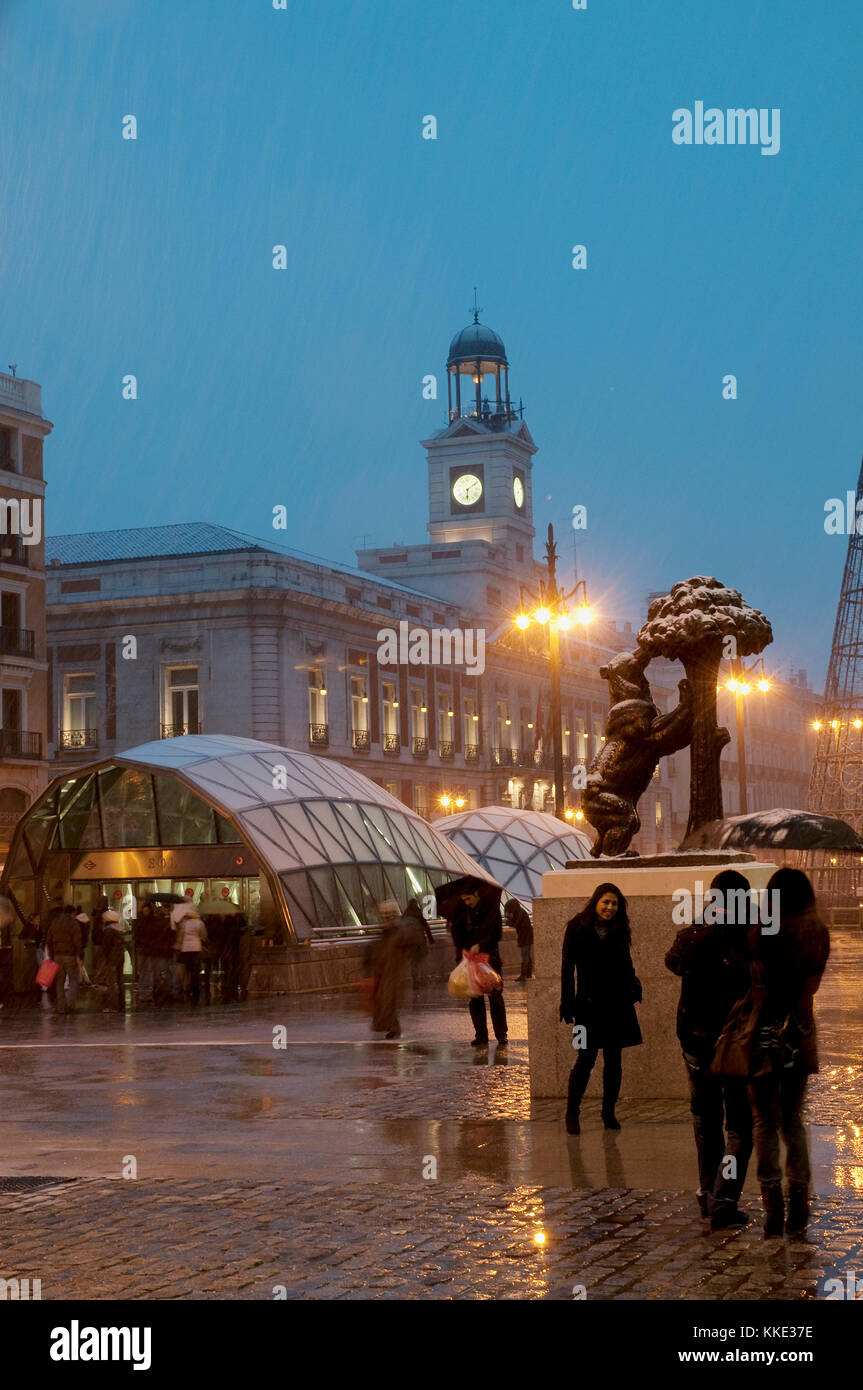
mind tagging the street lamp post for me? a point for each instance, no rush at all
(740, 687)
(549, 609)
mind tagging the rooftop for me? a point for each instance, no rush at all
(190, 538)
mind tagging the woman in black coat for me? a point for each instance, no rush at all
(602, 1003)
(788, 963)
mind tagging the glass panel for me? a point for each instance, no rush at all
(40, 830)
(128, 812)
(184, 819)
(227, 833)
(307, 908)
(19, 862)
(79, 825)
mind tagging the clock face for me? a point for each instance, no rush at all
(518, 491)
(467, 489)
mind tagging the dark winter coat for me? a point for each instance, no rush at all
(607, 989)
(63, 937)
(113, 944)
(713, 964)
(479, 926)
(792, 962)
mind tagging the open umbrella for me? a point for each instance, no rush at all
(468, 883)
(218, 907)
(779, 829)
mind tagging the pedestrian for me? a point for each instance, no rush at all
(712, 960)
(385, 959)
(233, 931)
(245, 956)
(162, 952)
(514, 915)
(601, 1005)
(33, 938)
(113, 962)
(191, 935)
(64, 946)
(143, 934)
(418, 936)
(789, 964)
(98, 972)
(476, 925)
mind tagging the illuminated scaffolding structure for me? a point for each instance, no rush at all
(836, 781)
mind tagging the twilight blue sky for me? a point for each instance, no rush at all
(304, 127)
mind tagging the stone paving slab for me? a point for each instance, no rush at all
(471, 1239)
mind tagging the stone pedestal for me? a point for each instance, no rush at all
(654, 1070)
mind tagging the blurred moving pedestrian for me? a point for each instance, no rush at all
(234, 926)
(790, 963)
(712, 960)
(144, 933)
(33, 938)
(190, 939)
(385, 959)
(98, 971)
(476, 925)
(162, 952)
(514, 915)
(418, 938)
(64, 946)
(596, 948)
(113, 961)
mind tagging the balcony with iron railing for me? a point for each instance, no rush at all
(17, 641)
(16, 743)
(13, 551)
(420, 747)
(446, 750)
(319, 735)
(72, 739)
(178, 730)
(362, 741)
(392, 745)
(471, 752)
(495, 416)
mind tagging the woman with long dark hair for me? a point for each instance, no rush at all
(788, 965)
(602, 1002)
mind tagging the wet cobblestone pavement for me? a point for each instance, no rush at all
(307, 1169)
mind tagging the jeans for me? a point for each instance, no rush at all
(777, 1106)
(712, 1101)
(191, 961)
(67, 969)
(612, 1074)
(497, 1009)
(146, 976)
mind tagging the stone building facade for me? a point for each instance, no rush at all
(23, 662)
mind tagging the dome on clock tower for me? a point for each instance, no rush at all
(476, 354)
(477, 343)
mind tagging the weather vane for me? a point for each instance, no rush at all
(476, 309)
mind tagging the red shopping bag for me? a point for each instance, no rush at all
(482, 977)
(367, 993)
(45, 974)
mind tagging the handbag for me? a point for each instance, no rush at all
(46, 973)
(732, 1055)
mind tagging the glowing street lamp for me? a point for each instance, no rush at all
(740, 688)
(549, 608)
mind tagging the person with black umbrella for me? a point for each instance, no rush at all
(471, 906)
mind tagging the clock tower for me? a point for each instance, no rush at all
(480, 462)
(480, 492)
